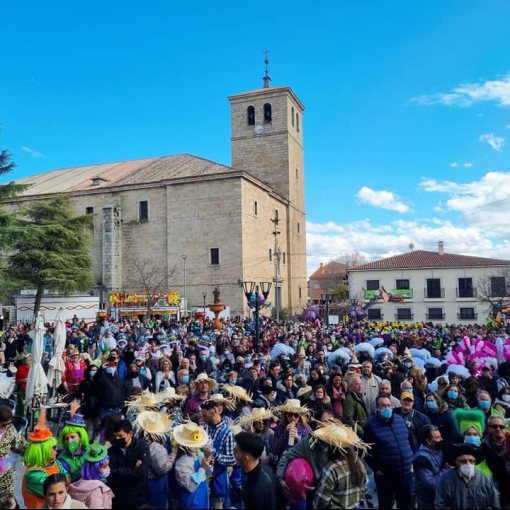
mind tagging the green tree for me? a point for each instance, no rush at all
(51, 249)
(340, 292)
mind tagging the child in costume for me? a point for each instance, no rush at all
(75, 441)
(91, 489)
(191, 466)
(40, 459)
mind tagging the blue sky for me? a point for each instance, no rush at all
(407, 115)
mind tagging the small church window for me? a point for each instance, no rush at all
(297, 122)
(292, 115)
(267, 114)
(251, 115)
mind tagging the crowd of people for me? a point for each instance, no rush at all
(178, 414)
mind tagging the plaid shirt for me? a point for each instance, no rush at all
(225, 455)
(335, 489)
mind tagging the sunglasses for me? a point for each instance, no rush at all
(500, 427)
(293, 415)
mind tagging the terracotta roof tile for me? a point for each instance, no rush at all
(330, 268)
(425, 259)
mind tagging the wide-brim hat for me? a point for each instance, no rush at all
(237, 392)
(457, 449)
(190, 435)
(221, 399)
(153, 423)
(293, 406)
(257, 414)
(95, 453)
(339, 436)
(169, 394)
(203, 377)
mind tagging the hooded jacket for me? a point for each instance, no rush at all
(92, 493)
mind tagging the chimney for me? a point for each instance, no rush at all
(440, 248)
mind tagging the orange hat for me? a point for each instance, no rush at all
(41, 432)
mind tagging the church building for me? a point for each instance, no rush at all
(200, 223)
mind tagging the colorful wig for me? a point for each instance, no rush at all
(39, 453)
(92, 470)
(73, 429)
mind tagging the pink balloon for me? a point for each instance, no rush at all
(299, 478)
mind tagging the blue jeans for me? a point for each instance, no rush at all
(392, 486)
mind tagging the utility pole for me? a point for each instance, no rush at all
(276, 258)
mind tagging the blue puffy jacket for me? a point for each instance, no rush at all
(391, 451)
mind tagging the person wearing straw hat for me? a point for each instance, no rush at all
(192, 466)
(343, 482)
(91, 488)
(202, 387)
(291, 429)
(258, 423)
(222, 451)
(154, 428)
(242, 400)
(75, 441)
(225, 406)
(40, 459)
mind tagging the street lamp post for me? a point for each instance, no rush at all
(204, 294)
(185, 296)
(326, 298)
(251, 291)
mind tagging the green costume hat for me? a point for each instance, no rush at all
(465, 418)
(95, 453)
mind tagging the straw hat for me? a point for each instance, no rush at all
(169, 394)
(95, 453)
(203, 377)
(41, 432)
(339, 436)
(153, 423)
(236, 392)
(257, 414)
(221, 399)
(190, 435)
(293, 405)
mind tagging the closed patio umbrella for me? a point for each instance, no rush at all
(37, 383)
(56, 366)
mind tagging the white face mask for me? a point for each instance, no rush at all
(468, 470)
(506, 397)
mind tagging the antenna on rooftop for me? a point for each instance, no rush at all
(266, 80)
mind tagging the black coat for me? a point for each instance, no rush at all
(110, 390)
(128, 482)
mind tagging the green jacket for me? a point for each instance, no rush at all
(355, 413)
(72, 463)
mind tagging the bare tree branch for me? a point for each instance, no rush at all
(493, 290)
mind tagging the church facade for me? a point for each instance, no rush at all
(198, 224)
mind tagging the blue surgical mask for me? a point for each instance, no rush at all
(247, 359)
(386, 413)
(110, 370)
(232, 381)
(431, 404)
(410, 390)
(453, 395)
(408, 365)
(472, 440)
(93, 373)
(185, 379)
(484, 404)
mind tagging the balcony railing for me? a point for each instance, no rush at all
(404, 316)
(433, 294)
(435, 316)
(467, 316)
(466, 293)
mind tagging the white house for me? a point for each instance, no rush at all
(434, 286)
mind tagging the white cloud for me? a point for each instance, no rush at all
(33, 152)
(383, 199)
(469, 93)
(454, 165)
(467, 165)
(495, 142)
